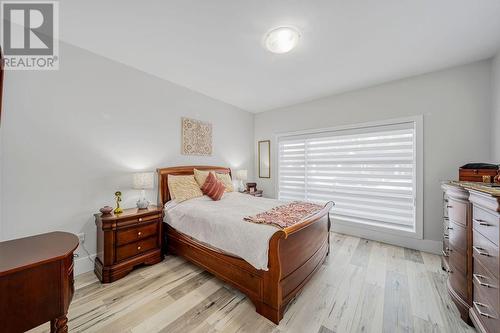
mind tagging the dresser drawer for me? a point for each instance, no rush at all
(132, 249)
(457, 211)
(485, 252)
(445, 208)
(486, 223)
(487, 284)
(457, 260)
(458, 281)
(71, 286)
(485, 311)
(446, 224)
(129, 235)
(457, 235)
(445, 255)
(446, 246)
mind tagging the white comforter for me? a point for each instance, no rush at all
(220, 224)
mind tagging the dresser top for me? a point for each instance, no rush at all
(481, 187)
(22, 253)
(130, 212)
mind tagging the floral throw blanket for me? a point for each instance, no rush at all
(286, 215)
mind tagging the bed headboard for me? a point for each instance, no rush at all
(163, 192)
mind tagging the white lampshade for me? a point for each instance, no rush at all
(143, 180)
(242, 174)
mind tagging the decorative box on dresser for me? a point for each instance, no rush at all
(457, 243)
(127, 240)
(485, 228)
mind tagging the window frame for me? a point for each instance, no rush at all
(418, 175)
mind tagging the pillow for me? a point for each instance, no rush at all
(183, 188)
(201, 176)
(213, 187)
(225, 178)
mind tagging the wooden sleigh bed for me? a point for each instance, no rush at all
(295, 254)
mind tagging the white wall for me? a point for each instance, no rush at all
(495, 121)
(456, 108)
(70, 138)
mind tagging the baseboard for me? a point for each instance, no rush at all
(425, 245)
(84, 264)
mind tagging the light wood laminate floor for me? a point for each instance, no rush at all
(364, 286)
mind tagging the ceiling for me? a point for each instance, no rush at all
(215, 47)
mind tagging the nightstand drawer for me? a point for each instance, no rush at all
(129, 235)
(141, 219)
(132, 249)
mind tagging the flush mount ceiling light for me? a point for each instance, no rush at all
(282, 40)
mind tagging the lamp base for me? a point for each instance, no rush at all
(241, 187)
(142, 203)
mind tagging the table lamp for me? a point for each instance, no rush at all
(143, 181)
(241, 175)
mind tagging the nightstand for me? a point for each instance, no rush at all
(257, 193)
(127, 240)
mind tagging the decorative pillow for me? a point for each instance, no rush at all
(183, 187)
(213, 187)
(225, 178)
(201, 176)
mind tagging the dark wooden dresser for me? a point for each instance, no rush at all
(485, 309)
(36, 281)
(127, 240)
(471, 252)
(457, 243)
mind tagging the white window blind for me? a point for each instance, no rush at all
(369, 172)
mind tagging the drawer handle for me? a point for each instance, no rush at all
(138, 248)
(448, 249)
(481, 251)
(478, 278)
(449, 206)
(481, 222)
(446, 237)
(140, 219)
(139, 233)
(446, 218)
(449, 228)
(445, 254)
(478, 305)
(445, 200)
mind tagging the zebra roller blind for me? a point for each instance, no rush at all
(369, 172)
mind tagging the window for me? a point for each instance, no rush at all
(370, 172)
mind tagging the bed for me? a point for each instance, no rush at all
(294, 254)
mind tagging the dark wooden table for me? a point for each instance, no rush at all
(36, 281)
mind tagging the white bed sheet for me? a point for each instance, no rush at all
(220, 224)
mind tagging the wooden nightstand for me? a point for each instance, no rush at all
(127, 240)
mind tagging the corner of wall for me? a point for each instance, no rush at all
(495, 109)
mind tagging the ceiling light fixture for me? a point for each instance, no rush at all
(282, 40)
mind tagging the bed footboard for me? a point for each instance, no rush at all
(295, 254)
